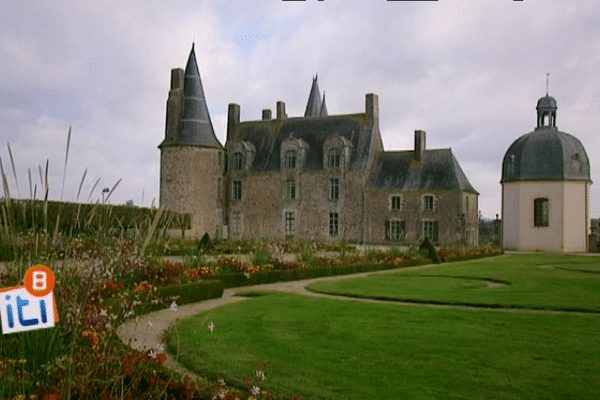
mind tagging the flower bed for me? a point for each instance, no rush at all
(105, 281)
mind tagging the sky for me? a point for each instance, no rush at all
(468, 72)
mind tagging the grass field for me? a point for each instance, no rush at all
(332, 349)
(552, 282)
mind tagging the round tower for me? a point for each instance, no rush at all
(191, 160)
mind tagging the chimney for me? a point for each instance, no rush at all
(176, 78)
(233, 119)
(372, 108)
(281, 110)
(266, 114)
(419, 145)
(174, 105)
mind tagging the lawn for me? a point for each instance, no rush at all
(553, 282)
(331, 349)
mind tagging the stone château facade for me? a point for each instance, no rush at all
(319, 176)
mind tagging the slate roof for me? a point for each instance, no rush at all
(323, 110)
(546, 154)
(314, 107)
(437, 170)
(195, 127)
(267, 136)
(546, 102)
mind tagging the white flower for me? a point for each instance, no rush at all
(128, 314)
(103, 313)
(260, 375)
(108, 325)
(151, 353)
(221, 381)
(173, 306)
(160, 347)
(247, 275)
(149, 323)
(255, 390)
(211, 326)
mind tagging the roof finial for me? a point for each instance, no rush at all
(547, 75)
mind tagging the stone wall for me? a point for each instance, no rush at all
(190, 180)
(447, 213)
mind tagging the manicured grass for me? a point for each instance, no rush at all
(333, 349)
(553, 282)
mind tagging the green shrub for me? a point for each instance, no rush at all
(261, 257)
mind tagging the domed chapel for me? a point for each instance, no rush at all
(317, 176)
(545, 188)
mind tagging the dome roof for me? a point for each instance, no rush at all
(546, 102)
(546, 154)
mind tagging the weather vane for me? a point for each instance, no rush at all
(547, 75)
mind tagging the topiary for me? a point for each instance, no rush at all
(431, 252)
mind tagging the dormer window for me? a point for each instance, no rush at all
(238, 161)
(334, 158)
(290, 159)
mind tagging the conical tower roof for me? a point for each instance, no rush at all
(323, 110)
(313, 107)
(195, 126)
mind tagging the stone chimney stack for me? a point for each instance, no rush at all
(233, 118)
(419, 145)
(372, 108)
(174, 105)
(281, 110)
(266, 114)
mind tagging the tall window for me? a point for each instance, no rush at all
(541, 212)
(394, 230)
(334, 189)
(237, 190)
(396, 203)
(334, 158)
(290, 189)
(428, 203)
(334, 220)
(236, 223)
(430, 230)
(290, 159)
(238, 161)
(290, 222)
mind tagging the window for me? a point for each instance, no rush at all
(290, 190)
(220, 159)
(334, 220)
(430, 230)
(541, 212)
(334, 158)
(396, 203)
(394, 230)
(467, 204)
(290, 222)
(237, 190)
(238, 161)
(236, 223)
(334, 189)
(290, 159)
(428, 203)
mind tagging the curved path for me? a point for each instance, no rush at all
(149, 330)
